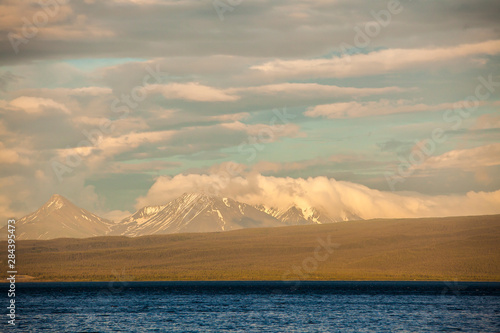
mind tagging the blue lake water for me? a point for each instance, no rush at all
(256, 307)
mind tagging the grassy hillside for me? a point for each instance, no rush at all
(462, 248)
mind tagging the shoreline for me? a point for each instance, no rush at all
(454, 280)
(365, 278)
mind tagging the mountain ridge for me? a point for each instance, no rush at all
(190, 212)
(199, 212)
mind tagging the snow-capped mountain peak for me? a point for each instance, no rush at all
(295, 215)
(56, 202)
(190, 212)
(143, 214)
(200, 212)
(59, 217)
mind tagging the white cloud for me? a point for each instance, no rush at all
(37, 105)
(378, 62)
(116, 215)
(195, 91)
(86, 91)
(465, 159)
(112, 146)
(192, 91)
(327, 193)
(366, 109)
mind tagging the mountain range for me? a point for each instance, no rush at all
(191, 212)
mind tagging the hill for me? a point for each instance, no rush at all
(454, 248)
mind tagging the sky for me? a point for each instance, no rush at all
(385, 108)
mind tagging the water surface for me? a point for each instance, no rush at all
(257, 307)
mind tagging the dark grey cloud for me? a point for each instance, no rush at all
(252, 29)
(396, 146)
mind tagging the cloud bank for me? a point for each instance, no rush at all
(325, 193)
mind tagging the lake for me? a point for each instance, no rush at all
(256, 307)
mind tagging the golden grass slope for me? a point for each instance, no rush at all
(454, 248)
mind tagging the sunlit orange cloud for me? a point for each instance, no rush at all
(324, 193)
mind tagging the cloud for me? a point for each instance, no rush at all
(6, 210)
(366, 109)
(7, 79)
(486, 122)
(8, 156)
(230, 117)
(37, 105)
(311, 90)
(265, 133)
(85, 91)
(192, 91)
(141, 2)
(14, 11)
(116, 215)
(116, 127)
(19, 156)
(465, 159)
(195, 91)
(100, 29)
(324, 193)
(27, 190)
(394, 145)
(146, 167)
(106, 148)
(266, 167)
(55, 20)
(378, 62)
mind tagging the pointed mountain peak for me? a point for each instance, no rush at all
(57, 197)
(56, 201)
(59, 217)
